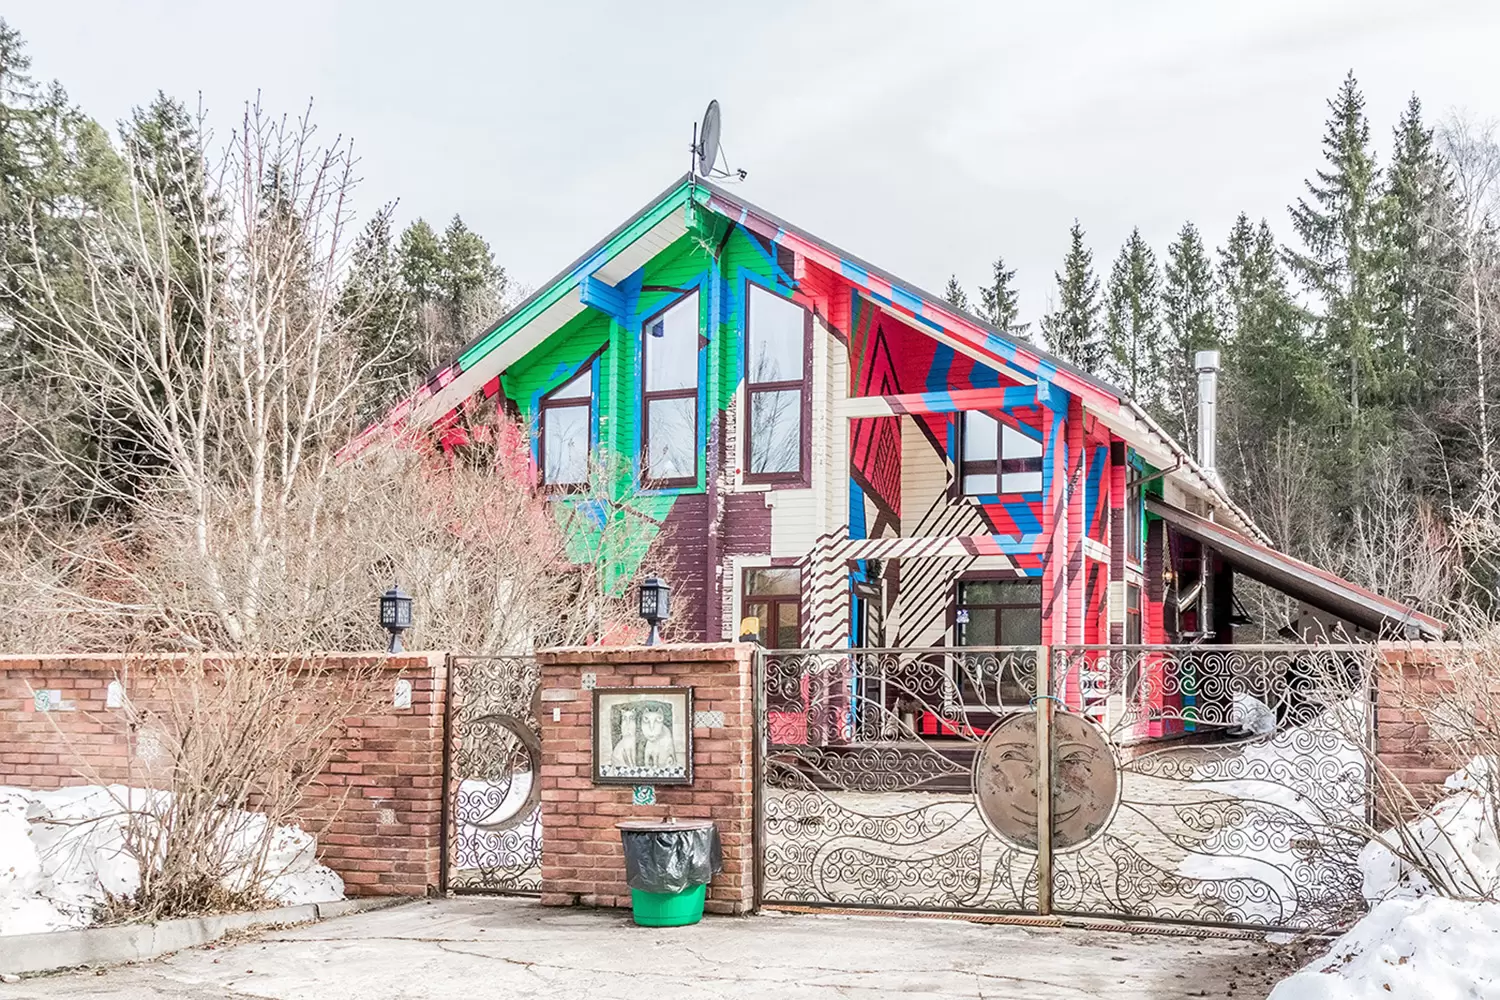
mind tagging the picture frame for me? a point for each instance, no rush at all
(642, 736)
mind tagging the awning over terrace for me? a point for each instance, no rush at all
(1307, 583)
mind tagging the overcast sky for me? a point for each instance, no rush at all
(926, 137)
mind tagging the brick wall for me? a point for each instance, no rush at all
(1409, 675)
(384, 789)
(582, 860)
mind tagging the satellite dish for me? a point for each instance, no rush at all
(708, 140)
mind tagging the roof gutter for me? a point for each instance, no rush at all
(1205, 481)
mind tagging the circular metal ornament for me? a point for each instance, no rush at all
(510, 757)
(1086, 781)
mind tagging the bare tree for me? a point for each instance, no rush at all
(1468, 228)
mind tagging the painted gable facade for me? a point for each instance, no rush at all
(947, 483)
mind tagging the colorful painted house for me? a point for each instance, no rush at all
(853, 461)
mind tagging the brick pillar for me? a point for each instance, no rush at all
(1411, 677)
(582, 860)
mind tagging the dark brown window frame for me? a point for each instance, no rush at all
(659, 395)
(770, 600)
(995, 576)
(802, 476)
(548, 402)
(963, 468)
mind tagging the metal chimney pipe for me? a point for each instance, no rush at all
(1207, 363)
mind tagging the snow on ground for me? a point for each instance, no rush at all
(1431, 947)
(61, 852)
(1414, 942)
(1459, 830)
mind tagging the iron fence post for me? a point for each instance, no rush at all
(757, 788)
(1043, 696)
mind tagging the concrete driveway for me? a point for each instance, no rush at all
(476, 947)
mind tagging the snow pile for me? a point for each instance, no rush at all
(1415, 942)
(1458, 834)
(62, 851)
(1431, 947)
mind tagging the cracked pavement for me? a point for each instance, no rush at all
(495, 947)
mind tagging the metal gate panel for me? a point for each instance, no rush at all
(1244, 783)
(866, 788)
(1216, 785)
(493, 827)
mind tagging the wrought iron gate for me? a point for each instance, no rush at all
(492, 829)
(1209, 784)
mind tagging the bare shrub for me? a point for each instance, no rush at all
(224, 753)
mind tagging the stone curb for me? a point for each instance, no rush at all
(57, 950)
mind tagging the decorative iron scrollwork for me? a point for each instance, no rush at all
(495, 825)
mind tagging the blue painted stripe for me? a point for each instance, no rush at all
(854, 272)
(1025, 518)
(907, 300)
(937, 375)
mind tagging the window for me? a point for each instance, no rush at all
(774, 596)
(997, 613)
(1133, 517)
(565, 422)
(997, 458)
(1134, 663)
(775, 376)
(669, 395)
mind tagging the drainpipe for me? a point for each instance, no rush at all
(1207, 363)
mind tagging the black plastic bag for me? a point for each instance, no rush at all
(671, 861)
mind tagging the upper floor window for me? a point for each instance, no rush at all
(997, 458)
(776, 386)
(669, 395)
(565, 420)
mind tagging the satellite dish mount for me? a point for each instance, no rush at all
(707, 150)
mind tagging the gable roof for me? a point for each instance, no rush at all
(659, 223)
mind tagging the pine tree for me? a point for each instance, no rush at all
(421, 256)
(469, 276)
(1341, 265)
(375, 298)
(1136, 361)
(1414, 310)
(998, 300)
(955, 295)
(1072, 330)
(1190, 317)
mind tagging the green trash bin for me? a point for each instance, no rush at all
(668, 865)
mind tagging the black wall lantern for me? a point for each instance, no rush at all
(395, 615)
(656, 605)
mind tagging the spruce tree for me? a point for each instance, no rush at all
(955, 295)
(421, 261)
(1341, 265)
(1072, 330)
(998, 300)
(1414, 309)
(1135, 361)
(375, 298)
(1190, 318)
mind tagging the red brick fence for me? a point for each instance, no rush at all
(388, 836)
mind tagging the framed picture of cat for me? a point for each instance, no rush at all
(643, 736)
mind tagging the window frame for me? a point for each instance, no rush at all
(964, 467)
(958, 644)
(801, 386)
(771, 601)
(693, 392)
(549, 401)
